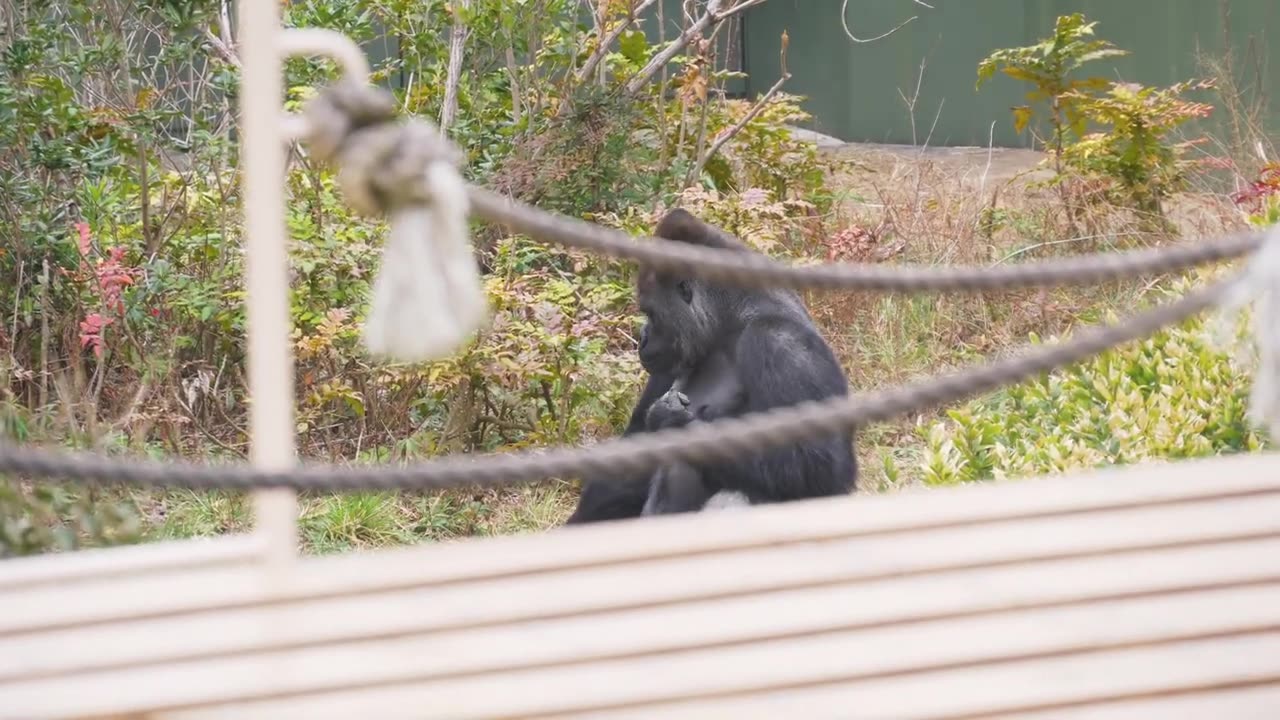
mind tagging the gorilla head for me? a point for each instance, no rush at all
(685, 314)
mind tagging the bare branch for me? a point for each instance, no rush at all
(457, 42)
(221, 49)
(712, 16)
(517, 97)
(598, 56)
(224, 24)
(660, 60)
(222, 43)
(727, 135)
(741, 6)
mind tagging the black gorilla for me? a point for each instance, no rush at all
(712, 351)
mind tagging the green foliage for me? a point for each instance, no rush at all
(118, 173)
(1131, 161)
(766, 155)
(37, 519)
(1135, 151)
(1047, 65)
(1173, 395)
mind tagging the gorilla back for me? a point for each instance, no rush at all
(780, 359)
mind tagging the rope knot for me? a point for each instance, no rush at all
(428, 296)
(382, 163)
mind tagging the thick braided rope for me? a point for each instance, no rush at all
(355, 126)
(720, 440)
(755, 270)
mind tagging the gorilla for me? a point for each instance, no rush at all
(718, 351)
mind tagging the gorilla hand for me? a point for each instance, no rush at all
(670, 410)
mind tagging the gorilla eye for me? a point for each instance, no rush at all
(686, 291)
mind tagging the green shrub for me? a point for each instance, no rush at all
(1132, 161)
(1173, 395)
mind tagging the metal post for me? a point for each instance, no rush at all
(267, 305)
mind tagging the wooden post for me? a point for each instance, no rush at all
(262, 169)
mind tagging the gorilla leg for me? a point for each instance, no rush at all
(676, 488)
(604, 498)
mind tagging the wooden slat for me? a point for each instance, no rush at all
(594, 546)
(926, 562)
(132, 560)
(1113, 590)
(1237, 701)
(935, 664)
(1148, 678)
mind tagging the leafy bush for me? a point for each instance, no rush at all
(1134, 150)
(1048, 65)
(1173, 395)
(1131, 160)
(121, 248)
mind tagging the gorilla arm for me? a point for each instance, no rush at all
(623, 496)
(780, 362)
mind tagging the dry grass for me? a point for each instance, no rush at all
(958, 207)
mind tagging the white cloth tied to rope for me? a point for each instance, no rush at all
(1259, 285)
(428, 297)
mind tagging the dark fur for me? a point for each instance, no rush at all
(779, 358)
(712, 391)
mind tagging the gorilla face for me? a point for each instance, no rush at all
(657, 356)
(680, 325)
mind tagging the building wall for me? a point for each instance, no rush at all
(856, 90)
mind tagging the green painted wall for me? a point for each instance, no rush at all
(856, 90)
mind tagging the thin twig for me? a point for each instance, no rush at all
(726, 135)
(453, 77)
(844, 22)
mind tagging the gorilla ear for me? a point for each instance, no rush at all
(686, 291)
(681, 225)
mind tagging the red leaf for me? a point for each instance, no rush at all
(91, 332)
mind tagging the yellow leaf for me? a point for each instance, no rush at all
(1018, 73)
(1021, 116)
